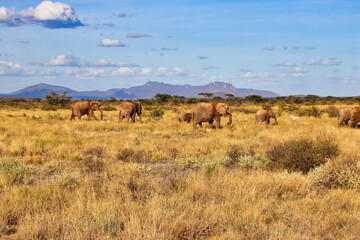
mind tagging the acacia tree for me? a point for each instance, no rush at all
(56, 99)
(206, 95)
(162, 98)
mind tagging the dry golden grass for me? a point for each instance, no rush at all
(62, 179)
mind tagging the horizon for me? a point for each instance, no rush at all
(287, 47)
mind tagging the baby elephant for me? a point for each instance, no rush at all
(185, 117)
(264, 116)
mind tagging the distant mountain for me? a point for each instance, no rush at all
(147, 90)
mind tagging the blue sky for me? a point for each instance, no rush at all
(289, 47)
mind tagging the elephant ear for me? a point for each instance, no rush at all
(221, 108)
(93, 104)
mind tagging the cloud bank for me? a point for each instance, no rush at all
(48, 14)
(71, 61)
(323, 62)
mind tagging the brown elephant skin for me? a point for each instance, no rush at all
(344, 116)
(185, 117)
(264, 116)
(129, 110)
(355, 117)
(208, 112)
(85, 107)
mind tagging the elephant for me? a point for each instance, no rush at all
(129, 110)
(208, 112)
(264, 116)
(344, 116)
(85, 107)
(355, 117)
(185, 117)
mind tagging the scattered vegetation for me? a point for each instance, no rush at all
(62, 179)
(302, 155)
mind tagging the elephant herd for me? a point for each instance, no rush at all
(202, 112)
(349, 116)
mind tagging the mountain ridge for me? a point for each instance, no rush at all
(148, 90)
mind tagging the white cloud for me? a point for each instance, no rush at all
(84, 74)
(323, 62)
(63, 60)
(137, 35)
(146, 71)
(6, 14)
(71, 61)
(255, 75)
(285, 64)
(47, 13)
(107, 63)
(124, 71)
(105, 42)
(208, 66)
(14, 69)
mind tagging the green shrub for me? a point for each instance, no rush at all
(157, 113)
(314, 112)
(311, 112)
(245, 158)
(15, 170)
(301, 155)
(48, 108)
(332, 111)
(191, 163)
(338, 173)
(70, 180)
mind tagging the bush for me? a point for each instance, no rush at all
(70, 180)
(131, 155)
(338, 173)
(314, 112)
(157, 113)
(245, 158)
(56, 99)
(15, 171)
(311, 112)
(332, 111)
(48, 108)
(302, 155)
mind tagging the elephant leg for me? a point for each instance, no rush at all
(121, 117)
(127, 117)
(91, 114)
(218, 122)
(211, 124)
(133, 117)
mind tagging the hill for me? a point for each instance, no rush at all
(148, 90)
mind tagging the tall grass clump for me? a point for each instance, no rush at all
(343, 172)
(15, 171)
(302, 155)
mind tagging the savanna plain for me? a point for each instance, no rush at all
(161, 179)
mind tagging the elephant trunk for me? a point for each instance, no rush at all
(140, 117)
(230, 118)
